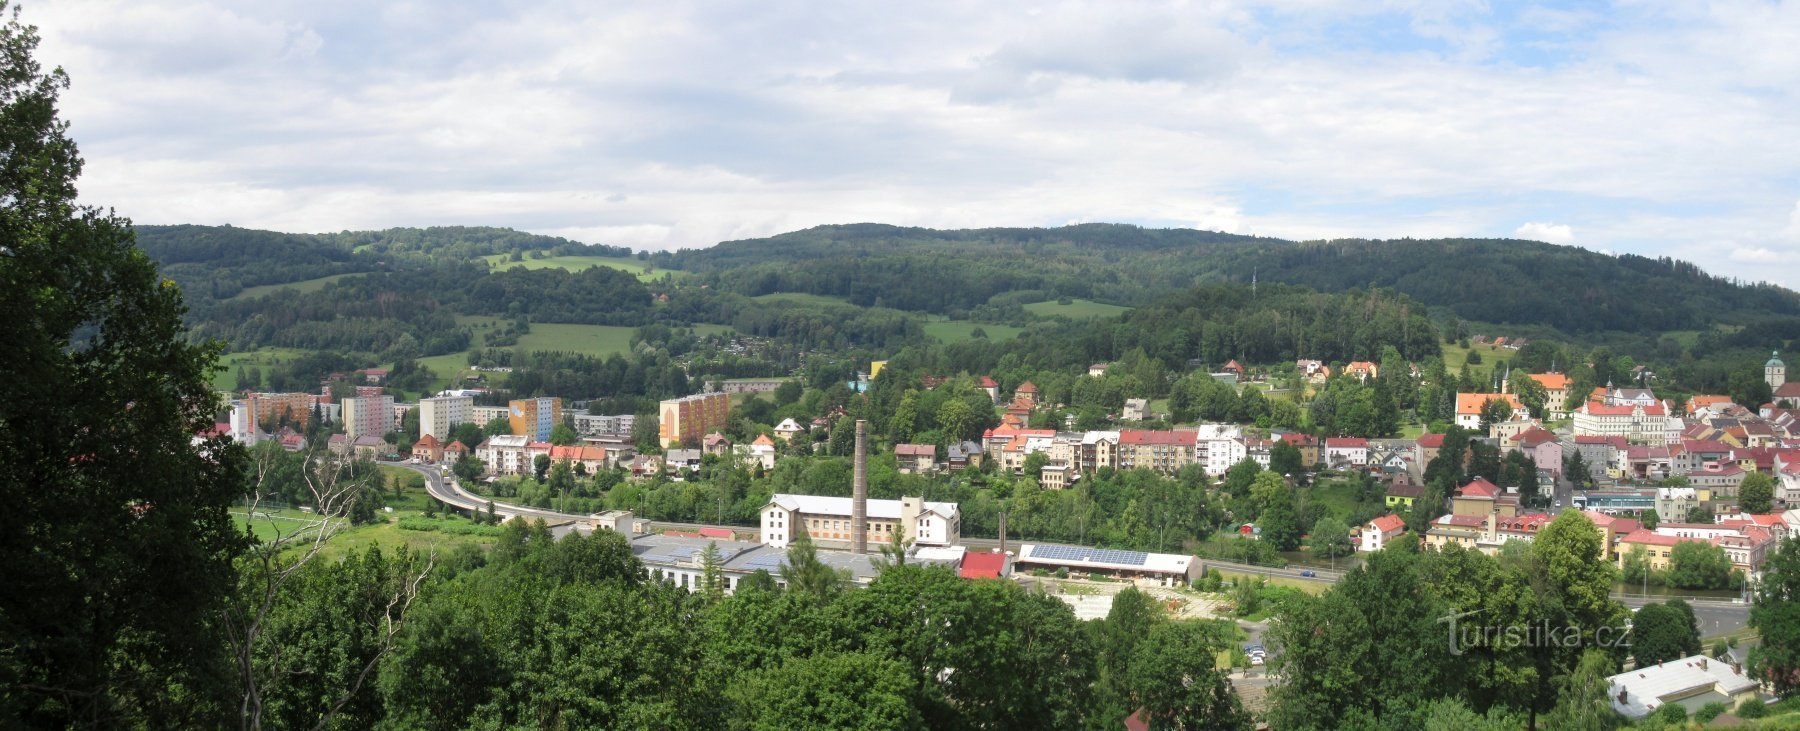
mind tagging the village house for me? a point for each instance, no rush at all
(1469, 405)
(1346, 452)
(919, 458)
(1378, 532)
(1556, 393)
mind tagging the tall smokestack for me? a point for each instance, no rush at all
(859, 491)
(1003, 531)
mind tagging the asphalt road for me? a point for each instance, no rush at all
(445, 489)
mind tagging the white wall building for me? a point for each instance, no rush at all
(368, 416)
(827, 521)
(439, 415)
(506, 454)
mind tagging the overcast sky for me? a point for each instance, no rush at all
(1660, 128)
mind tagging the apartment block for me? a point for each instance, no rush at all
(534, 417)
(368, 416)
(690, 418)
(437, 416)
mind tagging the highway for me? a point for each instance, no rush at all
(1716, 616)
(448, 492)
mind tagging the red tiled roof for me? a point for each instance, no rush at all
(717, 533)
(1149, 436)
(1534, 436)
(1652, 538)
(915, 450)
(982, 565)
(1027, 387)
(1388, 523)
(1471, 403)
(1296, 438)
(987, 382)
(1479, 487)
(1551, 381)
(1346, 443)
(1431, 441)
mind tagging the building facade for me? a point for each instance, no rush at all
(692, 417)
(534, 417)
(439, 415)
(370, 416)
(826, 521)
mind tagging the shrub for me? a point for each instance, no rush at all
(1753, 708)
(1672, 713)
(1711, 711)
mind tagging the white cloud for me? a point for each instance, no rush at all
(680, 124)
(1554, 233)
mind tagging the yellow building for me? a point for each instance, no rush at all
(875, 368)
(534, 417)
(687, 419)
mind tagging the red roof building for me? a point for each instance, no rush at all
(984, 566)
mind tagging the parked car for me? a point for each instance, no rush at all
(1308, 573)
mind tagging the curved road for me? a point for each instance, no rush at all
(445, 489)
(1715, 616)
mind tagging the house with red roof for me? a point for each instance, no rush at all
(428, 450)
(1481, 498)
(1426, 447)
(1484, 533)
(1378, 532)
(1026, 392)
(1639, 424)
(1362, 370)
(1345, 452)
(1233, 367)
(1469, 405)
(1541, 445)
(1163, 451)
(1556, 393)
(985, 565)
(1308, 446)
(991, 387)
(920, 458)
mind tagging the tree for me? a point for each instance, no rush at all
(1757, 493)
(118, 545)
(1532, 394)
(469, 433)
(1240, 476)
(1285, 459)
(1494, 411)
(1699, 565)
(788, 392)
(563, 435)
(1749, 389)
(1660, 633)
(956, 419)
(828, 690)
(1174, 676)
(540, 466)
(497, 426)
(1582, 703)
(805, 573)
(1330, 538)
(1700, 514)
(1636, 566)
(1280, 525)
(712, 573)
(1775, 613)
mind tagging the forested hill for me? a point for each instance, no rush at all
(1490, 280)
(218, 262)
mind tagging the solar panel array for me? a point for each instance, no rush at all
(671, 555)
(1090, 555)
(769, 560)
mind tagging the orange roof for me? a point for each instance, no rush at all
(1027, 387)
(763, 440)
(1471, 403)
(1551, 381)
(982, 565)
(1388, 523)
(1479, 487)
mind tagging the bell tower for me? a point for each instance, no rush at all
(1775, 371)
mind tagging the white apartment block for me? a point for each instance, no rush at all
(438, 416)
(507, 454)
(1219, 446)
(602, 425)
(368, 416)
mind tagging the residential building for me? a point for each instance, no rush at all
(826, 521)
(1308, 446)
(485, 415)
(427, 449)
(1599, 453)
(1674, 503)
(1097, 370)
(788, 429)
(1639, 424)
(752, 385)
(689, 418)
(1542, 446)
(1218, 446)
(1469, 405)
(964, 455)
(1691, 682)
(759, 451)
(1402, 493)
(1056, 476)
(920, 458)
(716, 444)
(439, 415)
(604, 425)
(1484, 533)
(534, 417)
(1136, 409)
(1362, 370)
(1481, 498)
(1162, 451)
(1346, 452)
(368, 416)
(1556, 393)
(505, 454)
(1376, 533)
(276, 408)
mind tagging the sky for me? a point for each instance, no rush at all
(1656, 128)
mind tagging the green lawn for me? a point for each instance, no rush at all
(956, 331)
(226, 379)
(1075, 310)
(578, 263)
(802, 298)
(268, 523)
(600, 340)
(1338, 497)
(306, 285)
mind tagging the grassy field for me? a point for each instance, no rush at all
(266, 524)
(956, 331)
(802, 298)
(306, 285)
(226, 379)
(600, 340)
(578, 263)
(1075, 310)
(1455, 357)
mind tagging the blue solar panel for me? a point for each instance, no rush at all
(769, 561)
(1090, 555)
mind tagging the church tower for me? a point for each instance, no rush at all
(1775, 372)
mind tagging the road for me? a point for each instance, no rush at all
(448, 492)
(1716, 617)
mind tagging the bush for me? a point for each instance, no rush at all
(1711, 711)
(1753, 708)
(1672, 713)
